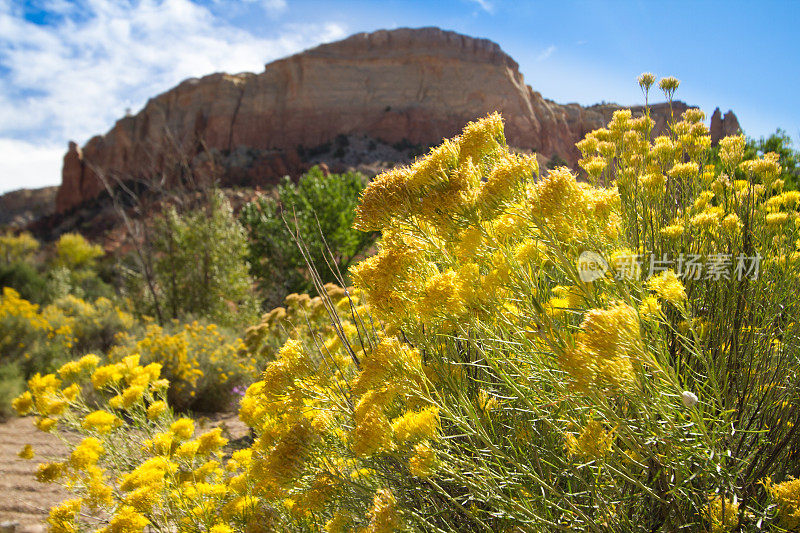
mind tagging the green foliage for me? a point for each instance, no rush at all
(320, 210)
(555, 162)
(780, 143)
(200, 263)
(17, 267)
(11, 385)
(25, 279)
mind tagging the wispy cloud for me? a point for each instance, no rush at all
(72, 76)
(486, 5)
(272, 7)
(546, 53)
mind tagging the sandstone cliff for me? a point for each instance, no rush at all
(412, 86)
(20, 208)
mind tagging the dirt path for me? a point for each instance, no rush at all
(26, 502)
(22, 499)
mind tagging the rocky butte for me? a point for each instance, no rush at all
(413, 86)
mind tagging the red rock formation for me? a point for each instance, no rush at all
(723, 126)
(417, 85)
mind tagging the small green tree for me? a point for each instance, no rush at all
(18, 268)
(200, 263)
(320, 210)
(780, 143)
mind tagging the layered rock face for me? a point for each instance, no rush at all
(20, 208)
(408, 85)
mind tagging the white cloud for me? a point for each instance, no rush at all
(486, 5)
(28, 165)
(74, 77)
(272, 6)
(546, 53)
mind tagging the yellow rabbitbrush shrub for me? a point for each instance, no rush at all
(480, 377)
(202, 362)
(42, 338)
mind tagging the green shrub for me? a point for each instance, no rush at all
(319, 209)
(199, 266)
(15, 248)
(73, 269)
(25, 279)
(11, 385)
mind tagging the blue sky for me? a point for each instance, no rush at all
(69, 69)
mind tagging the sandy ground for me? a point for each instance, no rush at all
(25, 502)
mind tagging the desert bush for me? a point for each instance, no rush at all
(17, 248)
(73, 269)
(39, 339)
(204, 364)
(523, 353)
(17, 266)
(300, 317)
(319, 209)
(74, 252)
(26, 280)
(11, 385)
(199, 267)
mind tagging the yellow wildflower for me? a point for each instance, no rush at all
(383, 516)
(49, 472)
(45, 424)
(86, 453)
(594, 441)
(155, 409)
(100, 421)
(416, 425)
(62, 517)
(126, 520)
(182, 428)
(722, 514)
(668, 286)
(71, 393)
(422, 463)
(211, 441)
(787, 497)
(26, 452)
(106, 375)
(23, 403)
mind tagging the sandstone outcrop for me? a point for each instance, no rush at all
(723, 126)
(20, 208)
(413, 86)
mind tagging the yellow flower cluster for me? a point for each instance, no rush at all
(34, 336)
(593, 443)
(722, 514)
(607, 350)
(787, 496)
(468, 340)
(199, 361)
